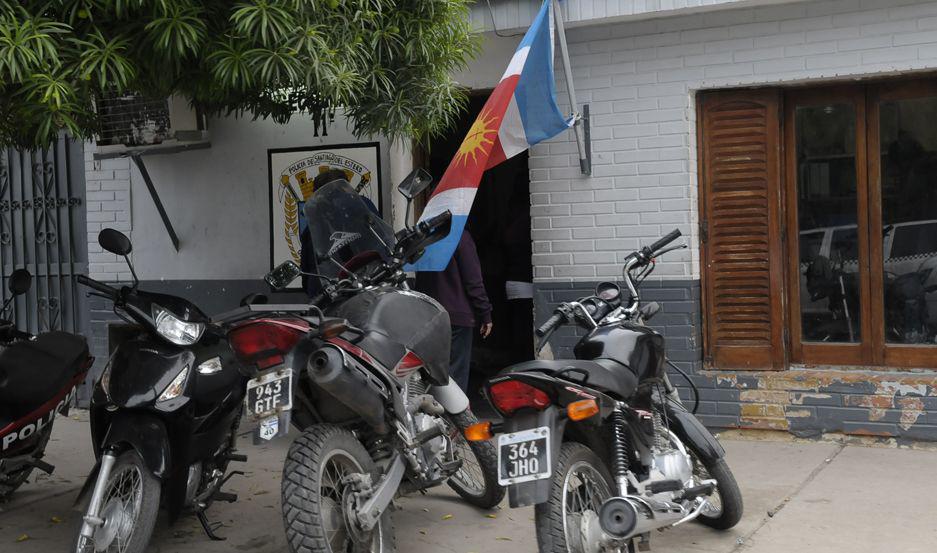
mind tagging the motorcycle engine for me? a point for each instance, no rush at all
(434, 447)
(672, 464)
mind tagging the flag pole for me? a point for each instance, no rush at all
(584, 165)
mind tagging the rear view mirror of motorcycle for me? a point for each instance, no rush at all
(115, 242)
(282, 275)
(20, 281)
(414, 183)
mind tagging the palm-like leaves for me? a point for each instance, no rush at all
(385, 62)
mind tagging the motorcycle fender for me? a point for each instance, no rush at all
(147, 435)
(537, 491)
(451, 397)
(693, 434)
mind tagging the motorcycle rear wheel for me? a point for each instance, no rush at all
(477, 481)
(312, 494)
(580, 483)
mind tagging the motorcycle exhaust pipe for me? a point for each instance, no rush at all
(625, 517)
(327, 368)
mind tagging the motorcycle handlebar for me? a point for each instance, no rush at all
(433, 224)
(99, 286)
(674, 234)
(553, 322)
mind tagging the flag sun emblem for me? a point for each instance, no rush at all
(479, 139)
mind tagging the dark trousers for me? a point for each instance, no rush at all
(460, 356)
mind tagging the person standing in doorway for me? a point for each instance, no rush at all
(461, 291)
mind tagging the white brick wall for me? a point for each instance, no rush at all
(107, 202)
(641, 79)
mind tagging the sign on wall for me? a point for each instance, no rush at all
(292, 173)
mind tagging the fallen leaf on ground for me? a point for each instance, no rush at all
(24, 537)
(502, 538)
(55, 520)
(446, 517)
(491, 515)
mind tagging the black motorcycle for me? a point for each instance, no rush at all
(38, 376)
(601, 444)
(380, 415)
(164, 415)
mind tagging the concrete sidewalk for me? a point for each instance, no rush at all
(798, 497)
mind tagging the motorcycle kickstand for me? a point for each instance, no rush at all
(207, 526)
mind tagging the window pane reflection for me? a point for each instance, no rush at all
(908, 137)
(827, 206)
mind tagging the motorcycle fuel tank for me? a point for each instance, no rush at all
(639, 348)
(397, 321)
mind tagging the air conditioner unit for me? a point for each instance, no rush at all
(134, 124)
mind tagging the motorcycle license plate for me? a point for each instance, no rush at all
(524, 456)
(270, 393)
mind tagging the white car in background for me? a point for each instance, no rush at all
(908, 247)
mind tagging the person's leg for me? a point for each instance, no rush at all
(460, 356)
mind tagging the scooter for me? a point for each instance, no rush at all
(164, 416)
(38, 377)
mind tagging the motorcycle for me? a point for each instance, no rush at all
(906, 315)
(165, 413)
(38, 377)
(378, 412)
(601, 444)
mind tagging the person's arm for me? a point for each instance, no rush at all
(471, 273)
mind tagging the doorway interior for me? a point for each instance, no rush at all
(500, 226)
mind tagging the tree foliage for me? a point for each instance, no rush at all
(386, 63)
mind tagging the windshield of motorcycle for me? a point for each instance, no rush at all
(346, 231)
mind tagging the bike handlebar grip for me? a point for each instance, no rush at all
(674, 234)
(430, 225)
(551, 323)
(99, 286)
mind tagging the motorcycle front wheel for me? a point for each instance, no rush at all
(477, 480)
(579, 485)
(725, 504)
(313, 490)
(128, 508)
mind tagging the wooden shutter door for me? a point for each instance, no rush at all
(741, 233)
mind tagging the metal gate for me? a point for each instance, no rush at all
(42, 229)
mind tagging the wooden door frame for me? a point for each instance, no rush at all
(889, 355)
(820, 353)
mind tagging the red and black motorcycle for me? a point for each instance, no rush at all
(38, 376)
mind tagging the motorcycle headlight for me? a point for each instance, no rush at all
(177, 331)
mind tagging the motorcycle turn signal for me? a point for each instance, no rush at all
(582, 409)
(479, 432)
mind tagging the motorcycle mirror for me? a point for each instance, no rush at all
(115, 242)
(414, 183)
(20, 281)
(282, 275)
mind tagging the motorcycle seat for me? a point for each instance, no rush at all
(33, 372)
(603, 375)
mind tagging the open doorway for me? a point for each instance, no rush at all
(500, 225)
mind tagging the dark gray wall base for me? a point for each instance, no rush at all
(807, 403)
